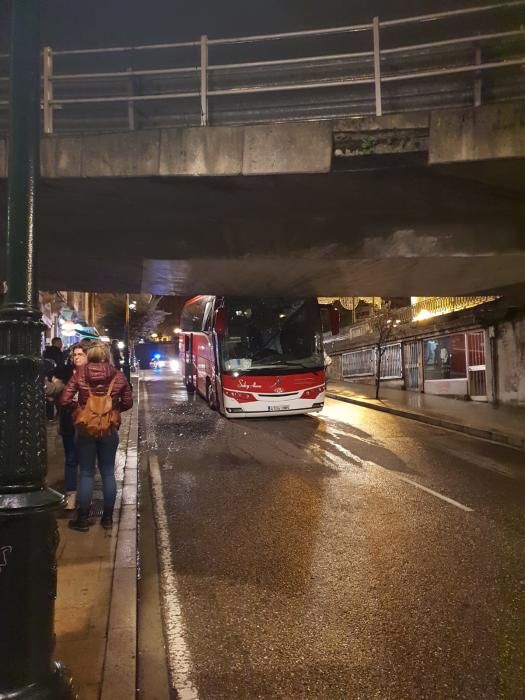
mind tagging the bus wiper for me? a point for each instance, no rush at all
(294, 363)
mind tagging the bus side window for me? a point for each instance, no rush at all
(186, 343)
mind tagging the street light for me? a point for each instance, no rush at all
(28, 528)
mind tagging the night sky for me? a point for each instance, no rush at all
(79, 23)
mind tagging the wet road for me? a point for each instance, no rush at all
(353, 554)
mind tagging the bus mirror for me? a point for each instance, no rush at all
(334, 320)
(220, 321)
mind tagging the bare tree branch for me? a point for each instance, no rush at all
(143, 320)
(384, 326)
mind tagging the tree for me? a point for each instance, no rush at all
(384, 326)
(144, 316)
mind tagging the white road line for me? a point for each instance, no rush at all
(435, 493)
(179, 657)
(366, 462)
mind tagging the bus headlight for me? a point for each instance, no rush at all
(240, 396)
(312, 393)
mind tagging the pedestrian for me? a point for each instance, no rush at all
(97, 383)
(54, 353)
(77, 359)
(116, 355)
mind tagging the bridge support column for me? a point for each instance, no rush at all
(28, 529)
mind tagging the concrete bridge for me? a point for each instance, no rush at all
(181, 168)
(431, 204)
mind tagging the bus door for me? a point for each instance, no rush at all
(189, 367)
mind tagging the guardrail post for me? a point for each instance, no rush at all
(47, 58)
(204, 80)
(477, 80)
(131, 103)
(377, 66)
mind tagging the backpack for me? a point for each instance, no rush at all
(97, 419)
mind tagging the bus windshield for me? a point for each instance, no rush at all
(272, 335)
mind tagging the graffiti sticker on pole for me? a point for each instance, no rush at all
(4, 552)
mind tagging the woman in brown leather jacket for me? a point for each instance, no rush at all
(96, 376)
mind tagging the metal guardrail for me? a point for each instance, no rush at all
(293, 75)
(363, 362)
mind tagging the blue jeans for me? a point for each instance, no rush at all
(71, 461)
(90, 451)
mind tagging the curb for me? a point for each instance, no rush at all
(152, 663)
(491, 435)
(119, 674)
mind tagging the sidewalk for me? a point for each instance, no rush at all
(504, 424)
(95, 613)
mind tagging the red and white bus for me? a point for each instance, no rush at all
(252, 357)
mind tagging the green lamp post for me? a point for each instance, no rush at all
(28, 529)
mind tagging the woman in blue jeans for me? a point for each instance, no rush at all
(77, 358)
(97, 377)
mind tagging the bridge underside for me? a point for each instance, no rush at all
(393, 232)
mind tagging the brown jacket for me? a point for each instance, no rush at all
(97, 376)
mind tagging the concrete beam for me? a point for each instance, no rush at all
(322, 275)
(287, 149)
(493, 132)
(128, 154)
(61, 156)
(485, 133)
(212, 151)
(396, 232)
(392, 134)
(388, 122)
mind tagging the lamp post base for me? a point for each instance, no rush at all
(58, 686)
(28, 543)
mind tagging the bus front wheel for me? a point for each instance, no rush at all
(210, 395)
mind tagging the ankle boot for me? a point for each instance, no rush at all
(107, 519)
(81, 522)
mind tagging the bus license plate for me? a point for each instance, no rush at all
(278, 408)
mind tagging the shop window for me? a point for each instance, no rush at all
(445, 357)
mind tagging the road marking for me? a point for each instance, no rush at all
(434, 493)
(366, 462)
(179, 657)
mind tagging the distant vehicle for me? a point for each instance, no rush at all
(145, 354)
(253, 357)
(157, 362)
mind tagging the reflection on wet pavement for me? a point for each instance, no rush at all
(306, 569)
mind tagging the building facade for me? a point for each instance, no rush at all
(476, 351)
(65, 315)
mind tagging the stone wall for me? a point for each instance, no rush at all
(510, 360)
